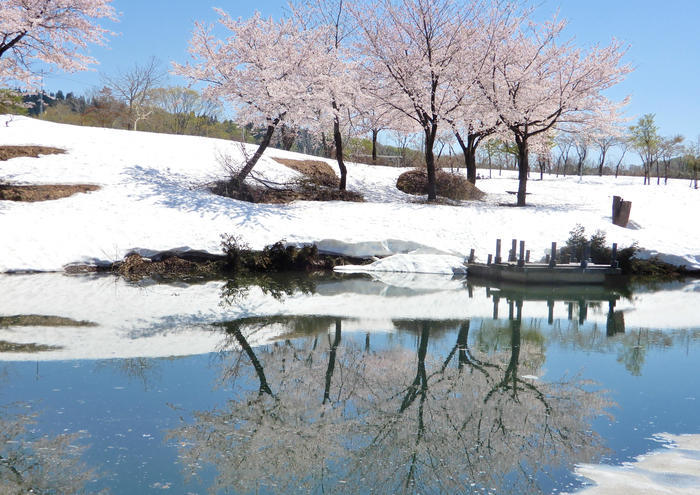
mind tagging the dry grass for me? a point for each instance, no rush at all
(447, 185)
(8, 152)
(317, 171)
(44, 192)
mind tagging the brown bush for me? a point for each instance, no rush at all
(7, 152)
(447, 185)
(316, 171)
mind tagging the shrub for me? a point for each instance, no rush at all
(447, 185)
(577, 241)
(234, 249)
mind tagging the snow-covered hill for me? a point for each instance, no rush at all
(152, 197)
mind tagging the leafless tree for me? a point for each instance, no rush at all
(133, 87)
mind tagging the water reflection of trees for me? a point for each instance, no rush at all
(324, 414)
(44, 464)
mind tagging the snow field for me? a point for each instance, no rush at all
(152, 197)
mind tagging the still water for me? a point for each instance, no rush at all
(403, 384)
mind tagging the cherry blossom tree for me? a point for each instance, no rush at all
(53, 32)
(413, 49)
(336, 86)
(536, 83)
(265, 68)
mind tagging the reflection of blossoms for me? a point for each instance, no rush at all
(45, 464)
(310, 413)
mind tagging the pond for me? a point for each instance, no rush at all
(346, 384)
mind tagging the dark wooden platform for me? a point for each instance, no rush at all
(541, 273)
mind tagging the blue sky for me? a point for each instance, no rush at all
(664, 41)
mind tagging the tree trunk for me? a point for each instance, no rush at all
(327, 148)
(523, 166)
(658, 174)
(469, 151)
(602, 163)
(338, 139)
(462, 342)
(288, 137)
(264, 388)
(258, 153)
(331, 361)
(430, 133)
(374, 145)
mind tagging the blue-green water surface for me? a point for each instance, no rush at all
(332, 404)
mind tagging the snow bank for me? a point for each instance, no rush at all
(673, 470)
(153, 197)
(411, 263)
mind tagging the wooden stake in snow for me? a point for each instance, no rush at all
(621, 211)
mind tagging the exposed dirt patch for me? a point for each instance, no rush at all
(7, 152)
(43, 192)
(447, 185)
(13, 347)
(42, 321)
(317, 171)
(303, 190)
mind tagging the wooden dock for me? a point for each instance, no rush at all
(519, 269)
(541, 273)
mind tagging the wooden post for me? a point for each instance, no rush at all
(550, 311)
(625, 210)
(521, 257)
(488, 261)
(553, 259)
(621, 211)
(498, 252)
(512, 256)
(613, 257)
(617, 200)
(496, 300)
(471, 256)
(527, 256)
(585, 255)
(546, 258)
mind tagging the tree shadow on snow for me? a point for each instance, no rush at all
(180, 192)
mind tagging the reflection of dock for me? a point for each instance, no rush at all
(573, 296)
